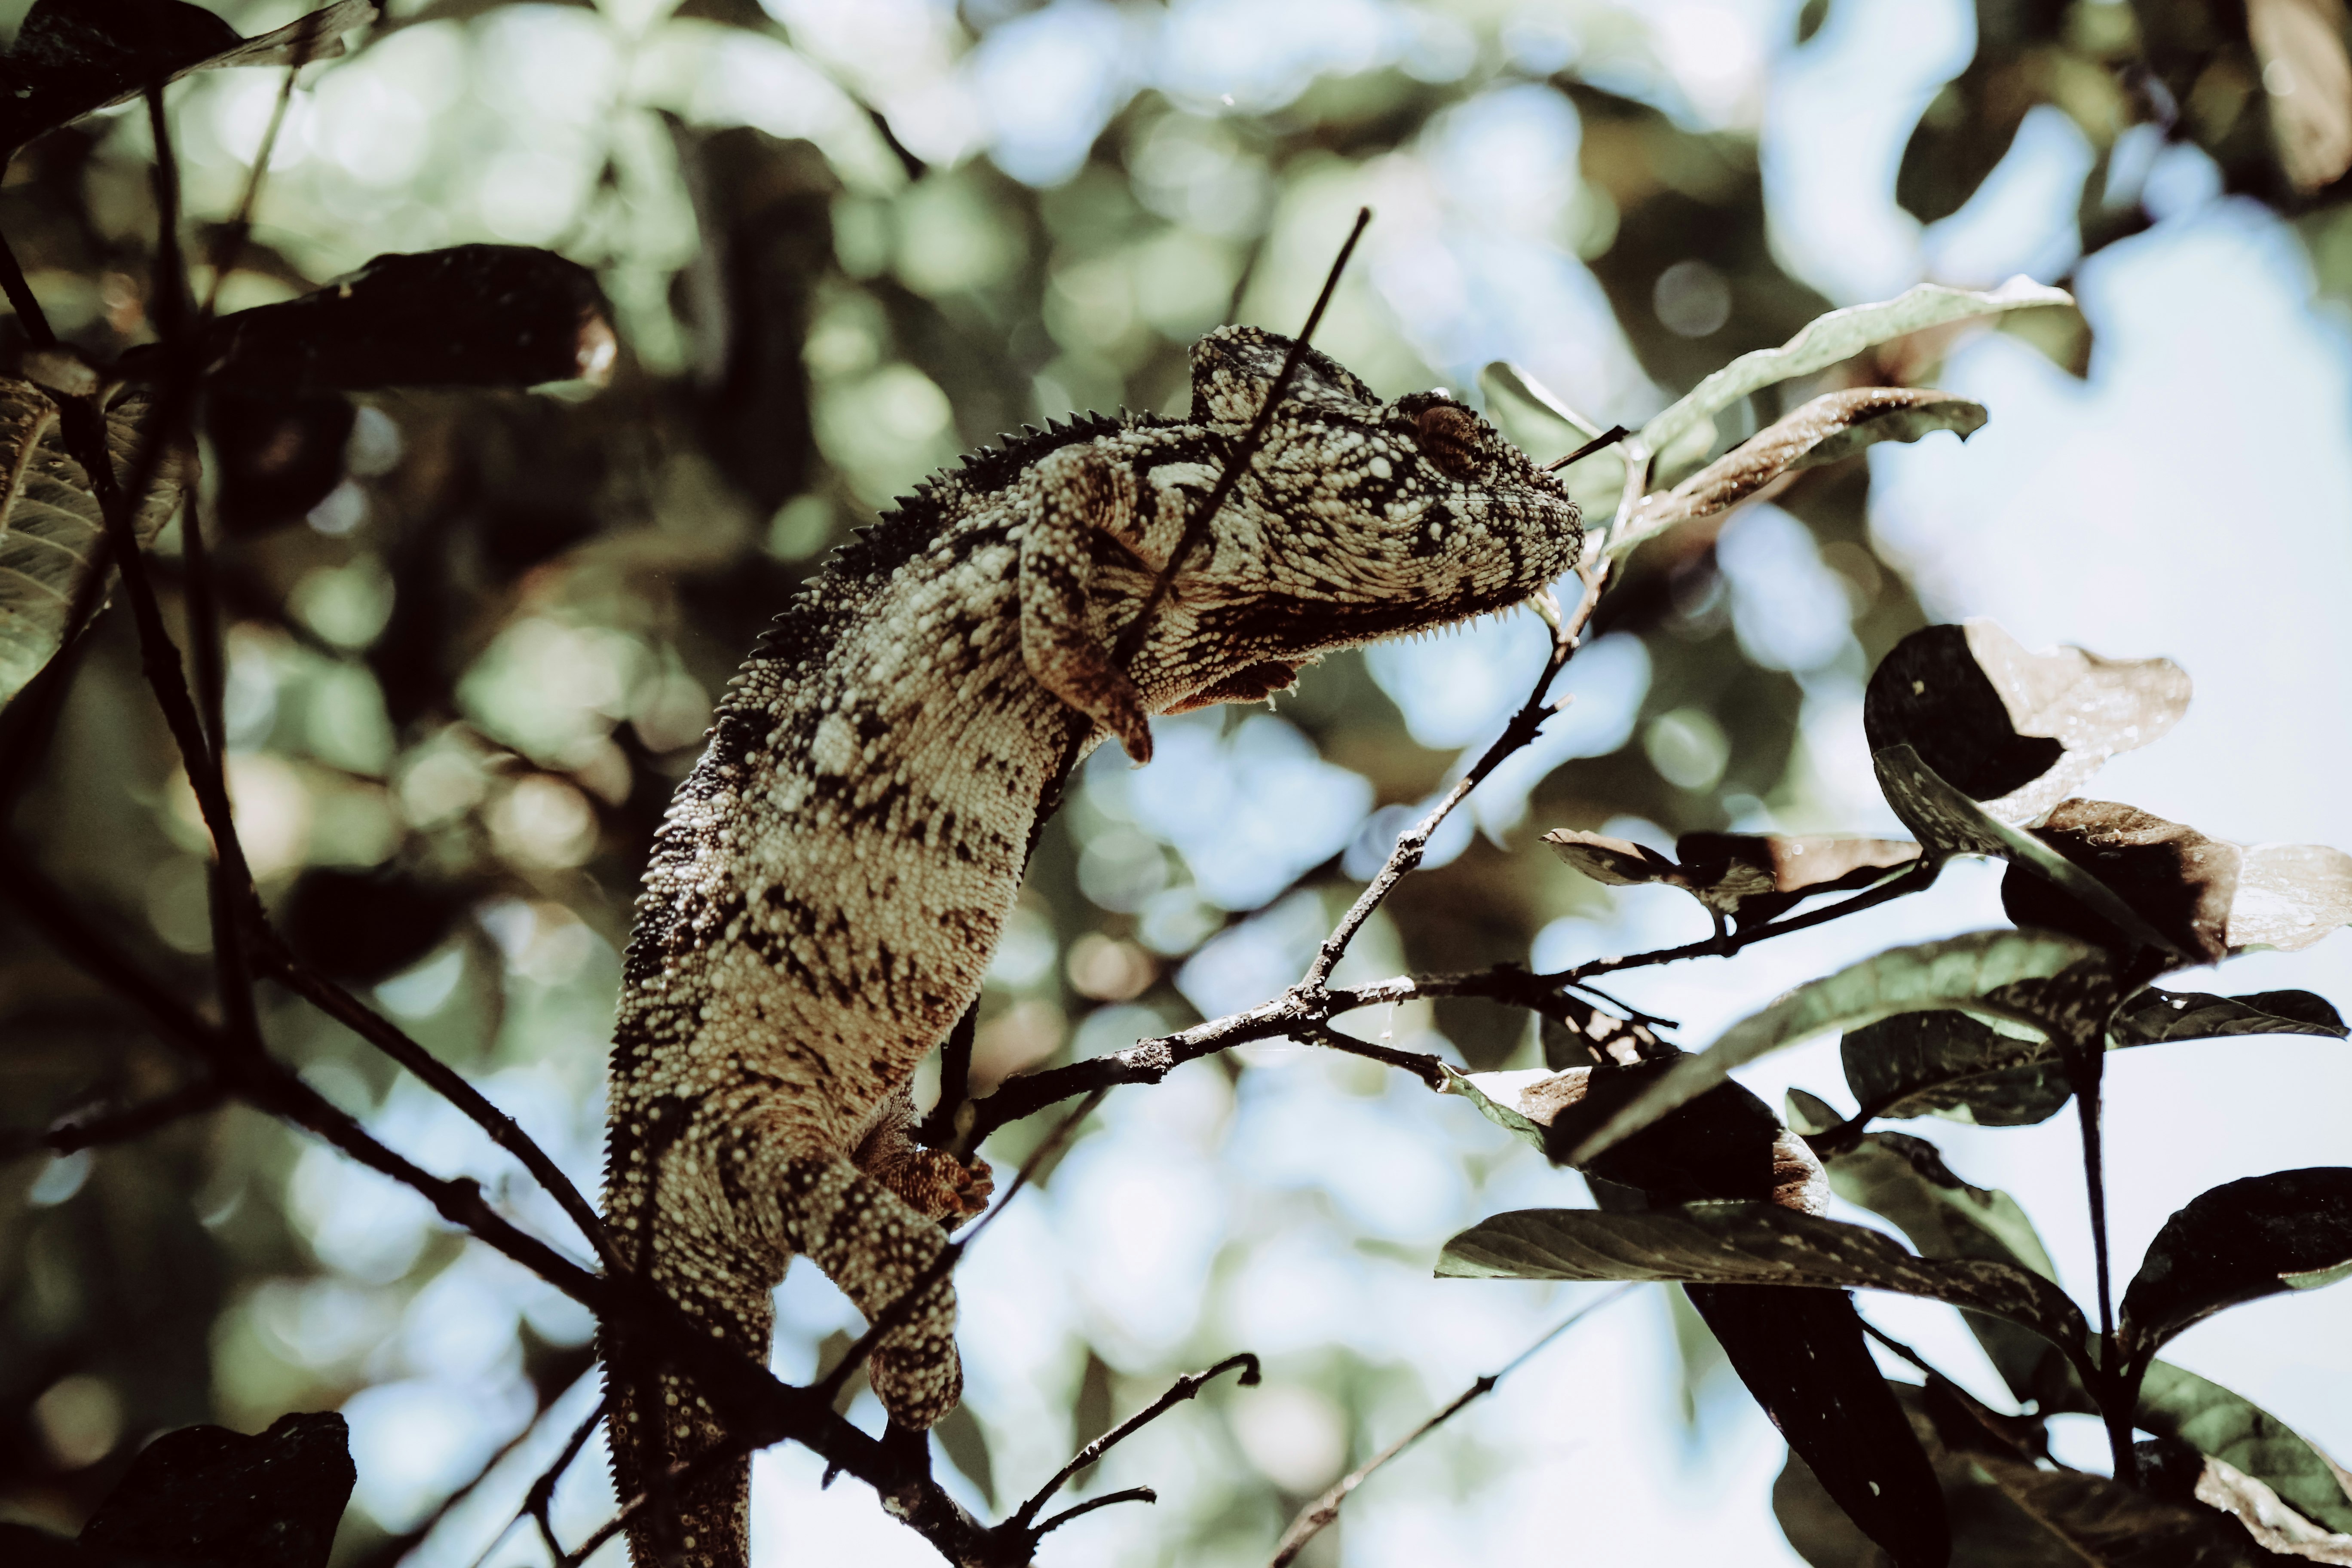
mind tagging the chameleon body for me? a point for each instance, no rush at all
(830, 879)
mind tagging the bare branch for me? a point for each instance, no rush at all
(85, 1130)
(1184, 1388)
(275, 960)
(1315, 1515)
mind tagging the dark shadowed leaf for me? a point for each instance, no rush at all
(2176, 879)
(1904, 1180)
(211, 1498)
(1949, 823)
(2014, 731)
(1816, 1527)
(1902, 980)
(73, 57)
(1808, 1112)
(1955, 1065)
(1840, 334)
(1752, 877)
(1946, 1063)
(2107, 1524)
(1832, 426)
(2154, 1018)
(1802, 1354)
(49, 522)
(1724, 1144)
(2291, 1230)
(1748, 1244)
(22, 1546)
(475, 315)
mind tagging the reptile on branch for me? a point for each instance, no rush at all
(830, 879)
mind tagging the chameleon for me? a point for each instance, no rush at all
(830, 880)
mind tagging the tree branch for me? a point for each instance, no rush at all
(1315, 1515)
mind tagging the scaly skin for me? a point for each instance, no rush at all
(830, 879)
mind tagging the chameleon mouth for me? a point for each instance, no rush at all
(1255, 684)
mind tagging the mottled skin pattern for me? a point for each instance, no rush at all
(832, 878)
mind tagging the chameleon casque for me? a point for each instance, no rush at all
(830, 879)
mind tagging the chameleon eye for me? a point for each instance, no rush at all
(1448, 434)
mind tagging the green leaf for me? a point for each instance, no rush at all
(1496, 1111)
(1904, 1180)
(2104, 1523)
(49, 522)
(1902, 980)
(1951, 1064)
(2291, 1230)
(1540, 423)
(1750, 1244)
(1838, 335)
(1949, 823)
(1825, 430)
(2156, 1017)
(1947, 1063)
(2176, 1403)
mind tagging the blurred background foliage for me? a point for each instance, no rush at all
(474, 638)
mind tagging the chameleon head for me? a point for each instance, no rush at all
(1359, 519)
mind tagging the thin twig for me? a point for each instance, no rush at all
(229, 245)
(1919, 878)
(1301, 1009)
(1132, 1494)
(1609, 437)
(275, 960)
(1316, 1515)
(1413, 843)
(82, 1129)
(1182, 1389)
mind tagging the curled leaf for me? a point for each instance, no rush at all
(51, 526)
(2267, 1519)
(2291, 1230)
(2206, 895)
(2174, 878)
(2176, 1403)
(2290, 896)
(1750, 1244)
(1901, 980)
(1949, 823)
(1752, 877)
(2014, 731)
(1724, 1144)
(474, 315)
(1840, 334)
(1830, 427)
(73, 58)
